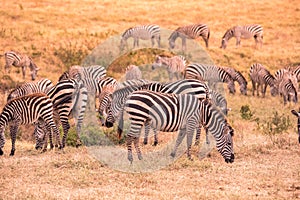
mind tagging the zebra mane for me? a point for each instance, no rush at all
(174, 35)
(228, 34)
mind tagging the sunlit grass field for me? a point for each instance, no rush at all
(266, 165)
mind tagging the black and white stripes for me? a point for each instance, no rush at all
(143, 32)
(243, 32)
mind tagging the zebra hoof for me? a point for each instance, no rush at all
(197, 143)
(140, 157)
(145, 142)
(155, 143)
(130, 158)
(12, 153)
(1, 152)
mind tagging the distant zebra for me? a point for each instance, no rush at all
(175, 65)
(243, 32)
(133, 72)
(193, 31)
(210, 73)
(297, 114)
(118, 98)
(27, 110)
(143, 32)
(20, 60)
(41, 86)
(238, 77)
(169, 113)
(260, 76)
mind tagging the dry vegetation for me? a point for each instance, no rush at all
(265, 167)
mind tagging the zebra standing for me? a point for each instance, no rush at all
(41, 86)
(238, 77)
(209, 73)
(175, 65)
(297, 114)
(27, 110)
(260, 76)
(143, 32)
(193, 31)
(133, 72)
(169, 113)
(20, 60)
(118, 98)
(287, 85)
(243, 32)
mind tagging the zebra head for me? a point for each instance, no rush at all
(39, 135)
(172, 39)
(274, 90)
(33, 70)
(157, 62)
(223, 44)
(231, 87)
(226, 148)
(110, 118)
(243, 89)
(297, 114)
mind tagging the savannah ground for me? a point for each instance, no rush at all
(266, 166)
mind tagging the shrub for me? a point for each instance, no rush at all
(246, 113)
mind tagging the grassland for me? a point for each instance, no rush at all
(265, 167)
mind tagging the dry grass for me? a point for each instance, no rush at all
(262, 170)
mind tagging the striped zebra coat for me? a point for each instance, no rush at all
(143, 32)
(192, 31)
(14, 58)
(261, 77)
(238, 77)
(175, 65)
(41, 86)
(243, 32)
(27, 110)
(169, 113)
(210, 73)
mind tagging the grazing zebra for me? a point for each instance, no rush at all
(238, 77)
(104, 101)
(209, 73)
(41, 86)
(118, 98)
(260, 76)
(27, 110)
(133, 72)
(193, 31)
(243, 32)
(297, 114)
(175, 65)
(20, 60)
(287, 85)
(173, 112)
(144, 32)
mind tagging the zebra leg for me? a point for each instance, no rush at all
(183, 46)
(13, 135)
(137, 148)
(66, 127)
(253, 87)
(129, 140)
(264, 88)
(179, 139)
(238, 41)
(158, 41)
(155, 137)
(198, 133)
(207, 140)
(147, 130)
(2, 140)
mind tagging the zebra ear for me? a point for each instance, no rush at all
(294, 112)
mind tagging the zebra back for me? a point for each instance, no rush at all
(41, 86)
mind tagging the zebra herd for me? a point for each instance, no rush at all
(192, 31)
(184, 105)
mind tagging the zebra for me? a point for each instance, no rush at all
(243, 32)
(173, 112)
(260, 76)
(27, 110)
(238, 77)
(133, 72)
(118, 98)
(144, 32)
(297, 114)
(41, 86)
(287, 84)
(20, 60)
(104, 100)
(209, 73)
(296, 71)
(193, 31)
(175, 65)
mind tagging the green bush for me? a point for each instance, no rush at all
(246, 113)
